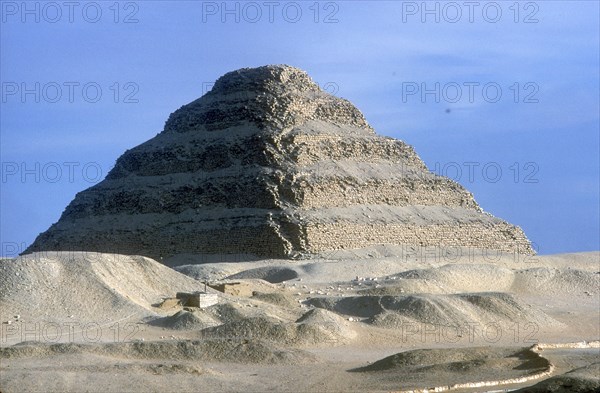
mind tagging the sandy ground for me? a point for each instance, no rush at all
(383, 319)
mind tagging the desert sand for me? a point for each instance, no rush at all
(387, 321)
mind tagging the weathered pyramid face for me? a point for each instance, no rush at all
(266, 163)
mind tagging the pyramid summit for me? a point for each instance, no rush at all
(274, 97)
(266, 163)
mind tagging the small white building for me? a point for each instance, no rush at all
(198, 299)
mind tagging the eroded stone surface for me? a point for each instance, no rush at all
(266, 163)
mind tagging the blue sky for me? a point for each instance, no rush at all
(526, 122)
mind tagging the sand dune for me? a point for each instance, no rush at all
(85, 287)
(446, 310)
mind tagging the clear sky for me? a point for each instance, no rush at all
(501, 96)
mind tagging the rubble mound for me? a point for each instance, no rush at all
(462, 366)
(271, 274)
(580, 380)
(86, 286)
(307, 331)
(458, 310)
(185, 320)
(276, 298)
(238, 351)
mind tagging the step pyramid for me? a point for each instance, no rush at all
(267, 163)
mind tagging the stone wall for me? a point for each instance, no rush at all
(316, 147)
(405, 192)
(343, 235)
(159, 244)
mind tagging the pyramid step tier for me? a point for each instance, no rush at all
(280, 234)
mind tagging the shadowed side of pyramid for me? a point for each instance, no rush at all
(266, 163)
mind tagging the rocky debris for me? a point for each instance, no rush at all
(267, 163)
(276, 298)
(233, 288)
(460, 368)
(170, 303)
(316, 328)
(232, 350)
(582, 379)
(457, 311)
(270, 274)
(185, 320)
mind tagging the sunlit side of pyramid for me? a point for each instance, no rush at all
(266, 163)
